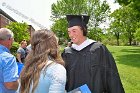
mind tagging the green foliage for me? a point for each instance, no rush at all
(20, 31)
(124, 23)
(109, 39)
(63, 7)
(126, 20)
(95, 33)
(123, 2)
(98, 11)
(14, 48)
(137, 35)
(60, 29)
(135, 4)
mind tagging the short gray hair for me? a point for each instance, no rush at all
(6, 34)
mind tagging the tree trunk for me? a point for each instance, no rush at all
(118, 43)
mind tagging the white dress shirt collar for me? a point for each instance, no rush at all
(83, 45)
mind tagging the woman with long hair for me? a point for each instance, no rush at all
(44, 70)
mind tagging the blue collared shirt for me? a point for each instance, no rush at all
(8, 69)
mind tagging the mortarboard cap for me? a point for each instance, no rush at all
(77, 20)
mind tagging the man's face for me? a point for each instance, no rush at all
(10, 42)
(24, 44)
(76, 35)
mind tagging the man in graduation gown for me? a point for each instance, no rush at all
(89, 62)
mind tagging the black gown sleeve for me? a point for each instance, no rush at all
(111, 76)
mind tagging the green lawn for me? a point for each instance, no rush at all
(128, 63)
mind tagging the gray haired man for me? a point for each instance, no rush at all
(8, 66)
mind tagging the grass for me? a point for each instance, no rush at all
(128, 62)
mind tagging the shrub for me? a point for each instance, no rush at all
(14, 48)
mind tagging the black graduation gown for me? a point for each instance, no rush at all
(95, 66)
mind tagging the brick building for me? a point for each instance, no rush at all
(5, 19)
(31, 29)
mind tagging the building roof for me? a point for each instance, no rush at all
(10, 18)
(7, 16)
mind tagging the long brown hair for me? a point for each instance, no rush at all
(44, 47)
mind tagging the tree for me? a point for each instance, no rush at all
(60, 30)
(137, 35)
(20, 31)
(95, 33)
(135, 4)
(123, 2)
(97, 11)
(115, 29)
(125, 20)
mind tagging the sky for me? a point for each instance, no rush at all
(34, 12)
